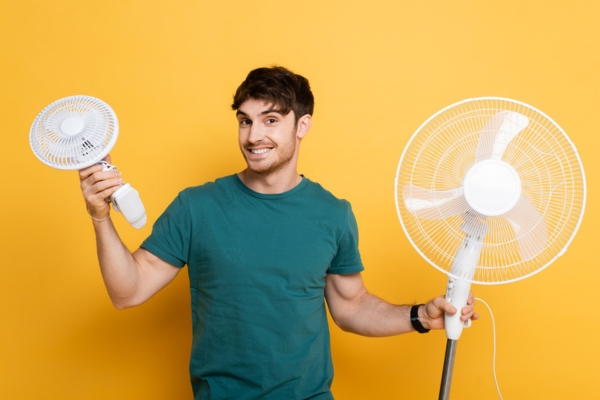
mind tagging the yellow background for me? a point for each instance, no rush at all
(378, 70)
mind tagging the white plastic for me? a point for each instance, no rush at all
(457, 293)
(463, 269)
(488, 190)
(76, 132)
(72, 126)
(503, 161)
(127, 201)
(497, 134)
(492, 187)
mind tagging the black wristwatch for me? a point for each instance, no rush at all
(414, 319)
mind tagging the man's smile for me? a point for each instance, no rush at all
(260, 151)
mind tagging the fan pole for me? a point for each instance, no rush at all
(448, 367)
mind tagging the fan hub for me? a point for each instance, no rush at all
(72, 126)
(492, 187)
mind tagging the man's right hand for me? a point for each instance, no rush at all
(96, 186)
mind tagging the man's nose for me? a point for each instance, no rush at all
(257, 133)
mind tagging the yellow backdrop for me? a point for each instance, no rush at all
(378, 70)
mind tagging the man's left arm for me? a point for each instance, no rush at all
(356, 310)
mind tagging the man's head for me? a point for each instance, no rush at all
(278, 86)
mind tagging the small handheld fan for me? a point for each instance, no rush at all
(488, 191)
(76, 132)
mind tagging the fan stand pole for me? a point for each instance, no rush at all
(448, 367)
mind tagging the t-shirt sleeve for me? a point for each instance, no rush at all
(170, 237)
(347, 259)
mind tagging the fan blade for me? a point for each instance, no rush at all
(497, 134)
(530, 228)
(434, 204)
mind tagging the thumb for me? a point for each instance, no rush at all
(442, 305)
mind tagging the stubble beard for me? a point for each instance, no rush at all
(268, 166)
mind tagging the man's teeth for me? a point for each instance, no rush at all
(259, 151)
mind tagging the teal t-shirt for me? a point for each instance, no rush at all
(257, 265)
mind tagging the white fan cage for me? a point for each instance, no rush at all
(440, 153)
(65, 151)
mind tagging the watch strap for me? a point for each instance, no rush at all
(414, 319)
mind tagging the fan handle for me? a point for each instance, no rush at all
(457, 293)
(127, 201)
(459, 283)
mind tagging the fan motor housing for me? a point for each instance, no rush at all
(72, 126)
(492, 187)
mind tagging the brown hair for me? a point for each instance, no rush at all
(279, 86)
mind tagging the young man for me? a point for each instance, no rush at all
(263, 247)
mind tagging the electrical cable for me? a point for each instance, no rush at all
(494, 353)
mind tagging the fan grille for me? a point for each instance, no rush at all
(438, 157)
(56, 147)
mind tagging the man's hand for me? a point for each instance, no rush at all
(96, 186)
(432, 314)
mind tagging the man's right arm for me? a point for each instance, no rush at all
(130, 278)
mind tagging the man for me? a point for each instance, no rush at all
(263, 247)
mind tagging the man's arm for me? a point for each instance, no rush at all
(355, 310)
(130, 279)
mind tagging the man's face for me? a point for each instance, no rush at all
(267, 138)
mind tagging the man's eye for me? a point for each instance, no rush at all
(245, 122)
(271, 120)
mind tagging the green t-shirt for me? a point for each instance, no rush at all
(257, 265)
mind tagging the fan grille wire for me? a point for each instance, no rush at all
(438, 157)
(63, 151)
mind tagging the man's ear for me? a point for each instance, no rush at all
(303, 126)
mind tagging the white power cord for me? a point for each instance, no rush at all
(494, 354)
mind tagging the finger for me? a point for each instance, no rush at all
(95, 192)
(442, 304)
(450, 309)
(471, 298)
(103, 187)
(471, 316)
(468, 312)
(97, 203)
(87, 172)
(100, 180)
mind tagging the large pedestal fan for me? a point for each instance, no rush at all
(488, 191)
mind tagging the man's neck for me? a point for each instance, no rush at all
(274, 183)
